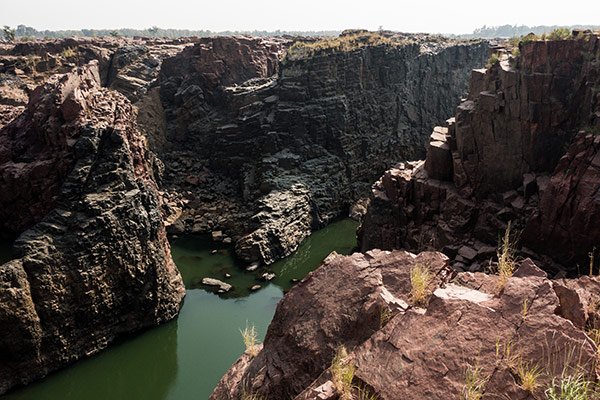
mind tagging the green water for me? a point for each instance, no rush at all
(185, 359)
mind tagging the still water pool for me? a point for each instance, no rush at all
(184, 359)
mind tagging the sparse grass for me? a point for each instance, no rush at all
(343, 43)
(506, 258)
(571, 387)
(251, 342)
(529, 375)
(493, 60)
(475, 383)
(250, 396)
(420, 280)
(525, 309)
(385, 314)
(342, 373)
(364, 393)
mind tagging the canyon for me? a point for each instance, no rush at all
(521, 154)
(110, 146)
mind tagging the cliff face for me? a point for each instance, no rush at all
(522, 148)
(293, 151)
(467, 329)
(95, 263)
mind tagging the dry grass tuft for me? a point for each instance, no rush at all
(475, 383)
(529, 375)
(342, 373)
(420, 281)
(506, 258)
(251, 342)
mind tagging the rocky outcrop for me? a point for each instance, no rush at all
(329, 123)
(94, 262)
(523, 148)
(469, 326)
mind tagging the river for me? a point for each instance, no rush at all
(185, 359)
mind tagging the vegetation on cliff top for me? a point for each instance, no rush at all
(342, 43)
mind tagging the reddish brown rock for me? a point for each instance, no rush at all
(469, 324)
(516, 156)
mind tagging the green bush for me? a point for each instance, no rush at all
(559, 34)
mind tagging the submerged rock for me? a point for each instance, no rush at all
(94, 263)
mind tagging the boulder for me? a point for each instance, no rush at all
(469, 327)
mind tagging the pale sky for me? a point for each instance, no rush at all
(450, 16)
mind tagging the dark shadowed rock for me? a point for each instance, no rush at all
(95, 263)
(324, 125)
(524, 148)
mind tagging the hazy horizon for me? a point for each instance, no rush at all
(458, 17)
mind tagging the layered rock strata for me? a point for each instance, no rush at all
(471, 325)
(523, 148)
(325, 126)
(93, 263)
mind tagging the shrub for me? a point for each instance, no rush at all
(559, 34)
(420, 280)
(69, 52)
(493, 60)
(9, 33)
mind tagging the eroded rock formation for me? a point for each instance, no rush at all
(523, 148)
(403, 351)
(93, 263)
(290, 152)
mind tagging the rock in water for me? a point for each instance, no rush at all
(93, 262)
(224, 287)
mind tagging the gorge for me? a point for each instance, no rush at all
(229, 152)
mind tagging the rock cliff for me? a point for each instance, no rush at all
(286, 153)
(469, 334)
(523, 148)
(92, 262)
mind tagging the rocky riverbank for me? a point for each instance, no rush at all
(263, 140)
(470, 332)
(92, 259)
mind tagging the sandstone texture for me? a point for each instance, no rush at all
(92, 262)
(287, 146)
(404, 351)
(523, 147)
